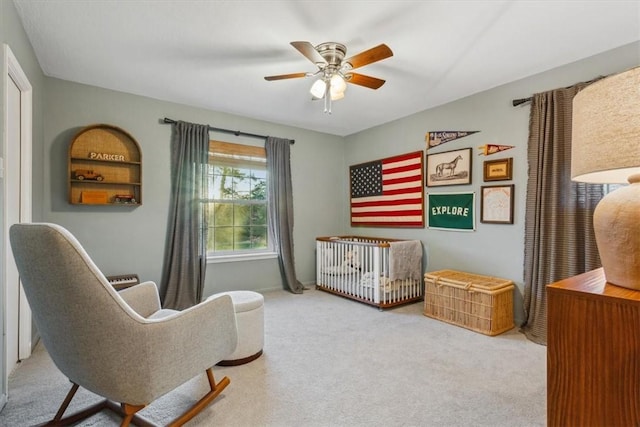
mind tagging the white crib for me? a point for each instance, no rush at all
(364, 269)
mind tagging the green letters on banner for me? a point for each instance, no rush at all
(451, 211)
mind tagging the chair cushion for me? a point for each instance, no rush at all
(161, 314)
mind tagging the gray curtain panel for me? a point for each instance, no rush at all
(185, 253)
(280, 197)
(559, 237)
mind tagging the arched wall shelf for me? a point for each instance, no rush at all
(105, 167)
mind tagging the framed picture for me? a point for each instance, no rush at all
(452, 211)
(496, 204)
(449, 168)
(498, 170)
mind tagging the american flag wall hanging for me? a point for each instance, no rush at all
(388, 192)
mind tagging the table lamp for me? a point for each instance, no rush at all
(605, 148)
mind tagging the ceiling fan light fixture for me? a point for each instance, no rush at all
(338, 85)
(335, 96)
(318, 88)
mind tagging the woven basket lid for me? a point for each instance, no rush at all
(467, 280)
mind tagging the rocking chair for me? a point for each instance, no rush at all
(119, 345)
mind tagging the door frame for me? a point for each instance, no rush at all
(13, 71)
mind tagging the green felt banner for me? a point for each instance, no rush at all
(452, 211)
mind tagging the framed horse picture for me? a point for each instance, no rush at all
(449, 168)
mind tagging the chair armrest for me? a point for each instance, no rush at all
(143, 298)
(180, 345)
(197, 337)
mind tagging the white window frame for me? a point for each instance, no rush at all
(247, 153)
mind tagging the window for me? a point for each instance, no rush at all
(608, 188)
(237, 205)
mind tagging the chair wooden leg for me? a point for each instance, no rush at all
(136, 419)
(216, 389)
(129, 412)
(58, 419)
(65, 403)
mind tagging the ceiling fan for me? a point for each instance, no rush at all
(335, 71)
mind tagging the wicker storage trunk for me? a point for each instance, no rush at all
(481, 303)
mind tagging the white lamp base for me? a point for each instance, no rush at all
(616, 222)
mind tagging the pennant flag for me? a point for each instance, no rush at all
(388, 192)
(488, 149)
(440, 137)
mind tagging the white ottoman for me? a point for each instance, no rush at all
(249, 308)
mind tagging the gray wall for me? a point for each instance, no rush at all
(131, 240)
(495, 250)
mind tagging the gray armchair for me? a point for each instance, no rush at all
(119, 345)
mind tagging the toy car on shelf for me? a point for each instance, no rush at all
(82, 174)
(124, 198)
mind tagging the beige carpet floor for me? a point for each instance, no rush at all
(329, 361)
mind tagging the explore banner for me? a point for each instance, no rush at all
(451, 211)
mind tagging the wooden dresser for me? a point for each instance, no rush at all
(593, 353)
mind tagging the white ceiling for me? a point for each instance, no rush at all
(214, 54)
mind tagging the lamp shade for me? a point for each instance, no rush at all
(605, 148)
(605, 141)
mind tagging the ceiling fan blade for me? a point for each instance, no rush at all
(286, 76)
(309, 52)
(370, 56)
(362, 80)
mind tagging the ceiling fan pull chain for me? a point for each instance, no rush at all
(327, 97)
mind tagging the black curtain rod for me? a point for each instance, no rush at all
(235, 132)
(520, 101)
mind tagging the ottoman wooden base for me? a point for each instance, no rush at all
(240, 361)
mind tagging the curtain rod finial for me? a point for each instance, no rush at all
(517, 102)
